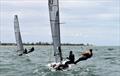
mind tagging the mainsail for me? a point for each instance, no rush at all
(18, 35)
(55, 28)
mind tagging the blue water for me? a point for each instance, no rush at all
(105, 62)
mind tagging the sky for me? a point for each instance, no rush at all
(82, 21)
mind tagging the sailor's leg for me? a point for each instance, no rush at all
(80, 59)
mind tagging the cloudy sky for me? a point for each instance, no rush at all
(83, 21)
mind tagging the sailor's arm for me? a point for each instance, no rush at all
(67, 57)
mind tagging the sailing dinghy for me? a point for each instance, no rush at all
(55, 30)
(20, 48)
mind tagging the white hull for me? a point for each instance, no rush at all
(50, 66)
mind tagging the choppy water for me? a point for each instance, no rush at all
(105, 62)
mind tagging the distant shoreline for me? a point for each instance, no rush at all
(63, 44)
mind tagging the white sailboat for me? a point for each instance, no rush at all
(20, 48)
(55, 30)
(18, 38)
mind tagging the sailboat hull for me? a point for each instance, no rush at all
(52, 66)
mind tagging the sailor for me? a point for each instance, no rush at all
(25, 51)
(71, 58)
(31, 50)
(84, 56)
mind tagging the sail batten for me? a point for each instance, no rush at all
(55, 28)
(18, 35)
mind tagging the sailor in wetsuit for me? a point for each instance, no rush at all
(71, 58)
(85, 55)
(31, 50)
(26, 52)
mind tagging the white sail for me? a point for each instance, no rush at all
(55, 28)
(18, 35)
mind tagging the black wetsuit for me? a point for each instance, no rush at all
(25, 51)
(31, 50)
(71, 59)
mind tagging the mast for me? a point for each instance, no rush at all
(18, 35)
(55, 28)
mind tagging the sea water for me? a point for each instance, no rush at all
(105, 61)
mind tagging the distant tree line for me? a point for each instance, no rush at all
(45, 43)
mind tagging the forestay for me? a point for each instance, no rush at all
(55, 28)
(18, 35)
